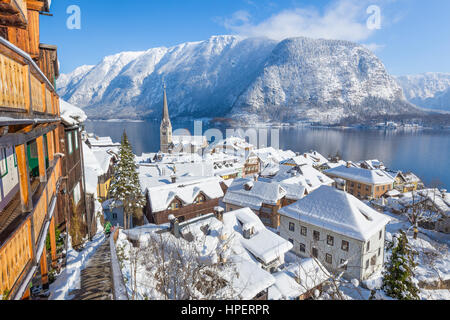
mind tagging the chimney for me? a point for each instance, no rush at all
(248, 186)
(218, 212)
(174, 226)
(305, 155)
(349, 164)
(248, 233)
(255, 177)
(173, 177)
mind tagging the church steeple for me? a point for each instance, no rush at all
(166, 127)
(166, 118)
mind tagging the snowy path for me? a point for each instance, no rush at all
(96, 278)
(69, 279)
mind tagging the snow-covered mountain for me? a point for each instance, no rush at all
(428, 90)
(245, 78)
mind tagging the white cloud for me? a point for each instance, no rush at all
(343, 19)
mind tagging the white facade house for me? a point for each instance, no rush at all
(339, 230)
(9, 176)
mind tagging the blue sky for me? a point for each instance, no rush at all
(414, 35)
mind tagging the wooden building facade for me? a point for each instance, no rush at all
(30, 150)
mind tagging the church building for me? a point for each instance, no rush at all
(179, 143)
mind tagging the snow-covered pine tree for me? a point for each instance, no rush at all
(125, 188)
(397, 279)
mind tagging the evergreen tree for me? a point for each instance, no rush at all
(397, 279)
(125, 188)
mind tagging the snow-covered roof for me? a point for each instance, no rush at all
(260, 192)
(101, 142)
(337, 211)
(92, 169)
(104, 156)
(198, 141)
(264, 245)
(371, 164)
(187, 191)
(305, 176)
(70, 114)
(231, 143)
(375, 177)
(297, 279)
(271, 155)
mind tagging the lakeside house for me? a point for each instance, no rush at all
(339, 230)
(264, 198)
(75, 198)
(363, 183)
(183, 197)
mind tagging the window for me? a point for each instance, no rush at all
(291, 227)
(380, 235)
(367, 264)
(200, 199)
(379, 251)
(76, 140)
(3, 163)
(76, 194)
(291, 241)
(175, 205)
(343, 264)
(359, 186)
(367, 188)
(315, 252)
(114, 215)
(69, 142)
(368, 246)
(345, 245)
(329, 258)
(373, 261)
(316, 235)
(304, 231)
(15, 157)
(330, 240)
(302, 247)
(352, 184)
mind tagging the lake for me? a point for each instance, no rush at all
(424, 152)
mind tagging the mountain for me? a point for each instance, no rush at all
(428, 90)
(250, 79)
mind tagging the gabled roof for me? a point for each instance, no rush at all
(305, 176)
(337, 211)
(309, 272)
(162, 196)
(362, 175)
(261, 192)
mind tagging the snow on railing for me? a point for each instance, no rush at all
(120, 291)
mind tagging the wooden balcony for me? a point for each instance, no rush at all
(13, 13)
(24, 89)
(22, 247)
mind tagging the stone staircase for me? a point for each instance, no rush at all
(96, 278)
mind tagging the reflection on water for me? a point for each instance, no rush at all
(426, 152)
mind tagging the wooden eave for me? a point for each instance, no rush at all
(35, 5)
(11, 15)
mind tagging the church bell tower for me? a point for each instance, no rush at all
(166, 127)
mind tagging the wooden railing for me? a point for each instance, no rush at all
(15, 256)
(17, 253)
(23, 86)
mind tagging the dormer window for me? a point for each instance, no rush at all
(200, 199)
(175, 205)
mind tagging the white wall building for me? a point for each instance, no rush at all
(338, 229)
